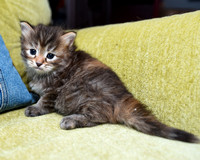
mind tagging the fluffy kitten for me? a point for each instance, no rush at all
(83, 89)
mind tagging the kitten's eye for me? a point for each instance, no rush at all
(33, 52)
(50, 55)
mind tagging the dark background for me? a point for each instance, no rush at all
(76, 14)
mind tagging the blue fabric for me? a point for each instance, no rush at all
(13, 92)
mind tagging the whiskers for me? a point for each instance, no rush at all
(30, 63)
(48, 68)
(43, 69)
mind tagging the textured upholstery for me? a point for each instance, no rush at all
(158, 60)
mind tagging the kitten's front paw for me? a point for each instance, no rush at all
(32, 111)
(67, 123)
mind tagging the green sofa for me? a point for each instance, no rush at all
(158, 60)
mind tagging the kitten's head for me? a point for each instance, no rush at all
(45, 48)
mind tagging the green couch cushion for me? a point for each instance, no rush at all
(40, 138)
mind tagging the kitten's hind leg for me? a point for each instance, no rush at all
(76, 121)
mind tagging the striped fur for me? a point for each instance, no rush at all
(81, 88)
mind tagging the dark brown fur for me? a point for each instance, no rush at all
(83, 89)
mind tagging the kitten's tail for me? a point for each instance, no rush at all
(133, 114)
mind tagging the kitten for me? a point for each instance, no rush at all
(81, 88)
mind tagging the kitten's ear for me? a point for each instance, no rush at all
(26, 28)
(68, 38)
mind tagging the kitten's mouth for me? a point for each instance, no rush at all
(38, 69)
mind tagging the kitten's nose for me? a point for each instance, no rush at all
(38, 64)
